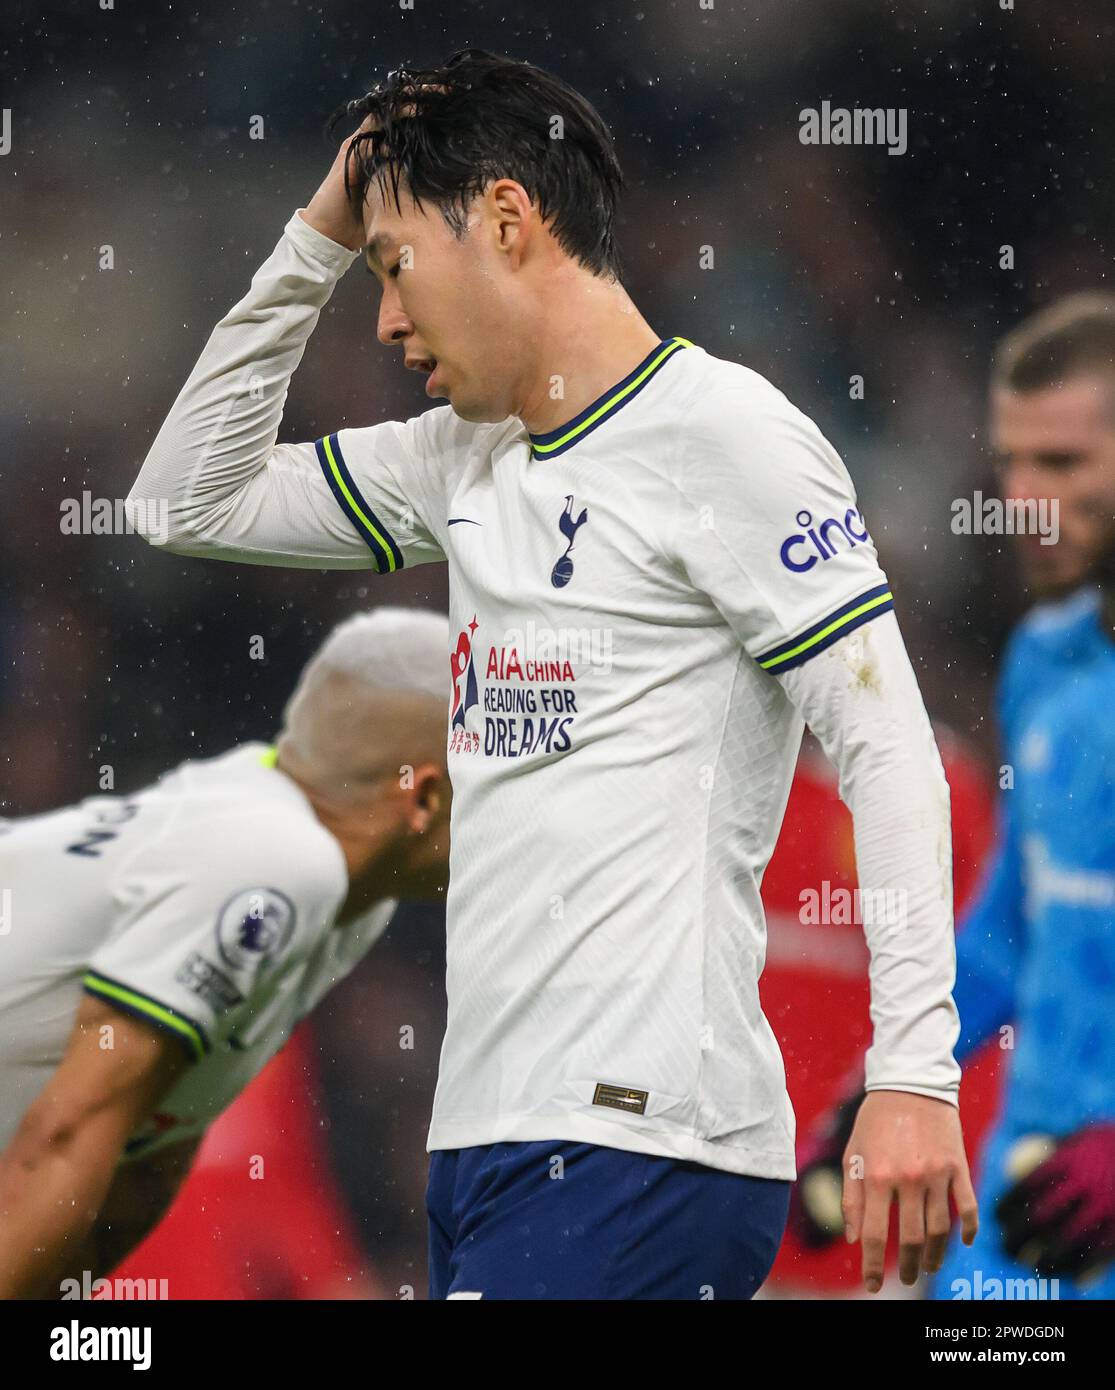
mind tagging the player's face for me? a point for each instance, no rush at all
(441, 303)
(1058, 443)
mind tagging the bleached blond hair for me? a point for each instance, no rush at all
(371, 699)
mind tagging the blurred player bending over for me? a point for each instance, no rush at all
(229, 1236)
(1036, 952)
(165, 944)
(658, 573)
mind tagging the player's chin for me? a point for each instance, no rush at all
(475, 412)
(477, 407)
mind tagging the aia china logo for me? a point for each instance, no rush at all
(462, 671)
(802, 550)
(562, 571)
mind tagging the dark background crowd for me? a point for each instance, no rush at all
(130, 129)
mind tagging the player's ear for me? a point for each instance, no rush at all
(429, 792)
(510, 210)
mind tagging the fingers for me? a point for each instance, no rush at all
(938, 1223)
(924, 1224)
(911, 1228)
(923, 1227)
(966, 1206)
(876, 1223)
(910, 1151)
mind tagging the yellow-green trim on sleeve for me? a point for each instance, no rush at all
(823, 634)
(189, 1033)
(372, 532)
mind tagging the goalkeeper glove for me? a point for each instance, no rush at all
(1060, 1217)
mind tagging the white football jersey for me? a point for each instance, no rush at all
(205, 905)
(621, 591)
(633, 595)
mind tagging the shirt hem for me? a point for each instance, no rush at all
(583, 1129)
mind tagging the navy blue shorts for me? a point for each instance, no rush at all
(561, 1220)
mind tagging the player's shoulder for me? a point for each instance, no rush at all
(235, 819)
(714, 390)
(728, 412)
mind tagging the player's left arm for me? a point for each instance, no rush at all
(764, 521)
(60, 1165)
(860, 697)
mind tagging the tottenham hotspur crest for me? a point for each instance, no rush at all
(562, 571)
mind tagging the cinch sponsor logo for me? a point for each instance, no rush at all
(802, 550)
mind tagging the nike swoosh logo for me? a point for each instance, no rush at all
(454, 519)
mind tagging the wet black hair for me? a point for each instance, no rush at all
(446, 133)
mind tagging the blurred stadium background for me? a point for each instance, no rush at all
(130, 128)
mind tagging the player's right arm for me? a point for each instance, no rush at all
(60, 1165)
(216, 483)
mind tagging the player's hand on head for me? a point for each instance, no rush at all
(1059, 1214)
(908, 1150)
(334, 212)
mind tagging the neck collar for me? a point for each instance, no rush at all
(604, 407)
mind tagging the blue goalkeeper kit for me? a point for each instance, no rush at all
(1036, 952)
